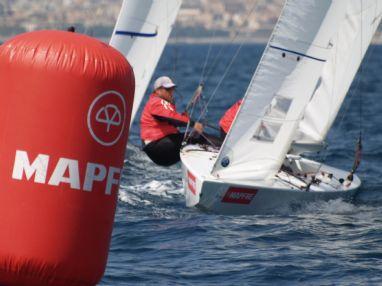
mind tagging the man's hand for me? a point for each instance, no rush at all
(198, 127)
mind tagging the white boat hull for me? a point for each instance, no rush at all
(240, 198)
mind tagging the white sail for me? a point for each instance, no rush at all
(281, 87)
(141, 33)
(350, 45)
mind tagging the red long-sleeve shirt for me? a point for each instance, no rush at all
(159, 119)
(227, 119)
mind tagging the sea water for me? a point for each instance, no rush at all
(157, 240)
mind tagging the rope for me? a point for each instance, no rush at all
(357, 87)
(207, 58)
(188, 134)
(233, 39)
(208, 140)
(211, 126)
(176, 57)
(204, 79)
(221, 81)
(176, 50)
(179, 94)
(360, 75)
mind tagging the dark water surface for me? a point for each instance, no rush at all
(157, 240)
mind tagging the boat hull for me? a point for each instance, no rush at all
(215, 195)
(241, 200)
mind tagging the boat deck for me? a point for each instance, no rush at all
(200, 161)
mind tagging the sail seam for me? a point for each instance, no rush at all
(298, 53)
(136, 34)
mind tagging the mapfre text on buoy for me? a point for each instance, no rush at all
(65, 171)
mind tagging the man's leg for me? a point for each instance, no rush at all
(165, 152)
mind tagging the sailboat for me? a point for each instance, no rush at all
(141, 33)
(306, 70)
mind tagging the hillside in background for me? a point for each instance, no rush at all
(197, 18)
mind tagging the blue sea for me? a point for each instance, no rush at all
(157, 240)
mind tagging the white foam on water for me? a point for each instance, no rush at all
(132, 199)
(166, 189)
(143, 181)
(136, 194)
(337, 206)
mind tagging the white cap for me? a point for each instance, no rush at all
(164, 81)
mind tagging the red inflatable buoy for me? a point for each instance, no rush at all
(65, 112)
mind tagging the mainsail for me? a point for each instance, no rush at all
(349, 47)
(287, 77)
(141, 33)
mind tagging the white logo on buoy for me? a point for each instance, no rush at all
(106, 118)
(109, 115)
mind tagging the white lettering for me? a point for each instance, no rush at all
(111, 180)
(66, 171)
(38, 168)
(241, 196)
(58, 175)
(94, 172)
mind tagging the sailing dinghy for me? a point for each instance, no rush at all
(292, 100)
(141, 32)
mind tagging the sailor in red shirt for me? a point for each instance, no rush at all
(227, 119)
(159, 133)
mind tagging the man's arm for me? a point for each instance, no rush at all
(164, 111)
(172, 121)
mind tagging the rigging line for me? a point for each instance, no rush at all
(188, 134)
(215, 62)
(176, 50)
(326, 153)
(291, 174)
(202, 101)
(207, 58)
(357, 86)
(208, 140)
(180, 95)
(361, 75)
(176, 57)
(289, 182)
(206, 124)
(351, 97)
(237, 32)
(221, 81)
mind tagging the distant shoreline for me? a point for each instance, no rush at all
(192, 40)
(205, 40)
(216, 40)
